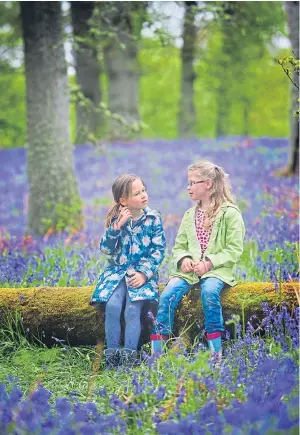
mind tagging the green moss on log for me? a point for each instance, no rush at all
(65, 312)
(246, 297)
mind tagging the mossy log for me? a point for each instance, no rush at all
(65, 313)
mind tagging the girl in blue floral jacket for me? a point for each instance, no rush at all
(135, 244)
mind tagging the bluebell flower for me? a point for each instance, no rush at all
(139, 423)
(160, 393)
(49, 424)
(102, 392)
(63, 407)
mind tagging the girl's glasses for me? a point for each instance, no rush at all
(191, 183)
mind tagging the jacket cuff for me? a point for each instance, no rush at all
(145, 270)
(180, 258)
(111, 232)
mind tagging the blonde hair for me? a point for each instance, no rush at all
(121, 188)
(220, 190)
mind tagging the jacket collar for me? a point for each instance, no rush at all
(147, 212)
(223, 207)
(150, 212)
(216, 223)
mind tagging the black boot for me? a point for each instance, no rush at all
(129, 358)
(112, 359)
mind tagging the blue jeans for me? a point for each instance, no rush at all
(132, 316)
(172, 295)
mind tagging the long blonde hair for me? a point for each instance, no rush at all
(220, 190)
(121, 188)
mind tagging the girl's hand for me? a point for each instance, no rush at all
(202, 267)
(137, 279)
(124, 216)
(187, 265)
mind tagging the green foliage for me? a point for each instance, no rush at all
(291, 66)
(67, 371)
(12, 335)
(235, 57)
(251, 71)
(58, 259)
(66, 217)
(78, 99)
(159, 89)
(56, 263)
(10, 33)
(249, 24)
(12, 80)
(12, 110)
(268, 260)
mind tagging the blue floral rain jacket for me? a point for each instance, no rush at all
(138, 245)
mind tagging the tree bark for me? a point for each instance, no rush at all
(187, 119)
(123, 86)
(53, 195)
(223, 101)
(292, 10)
(223, 95)
(89, 119)
(122, 68)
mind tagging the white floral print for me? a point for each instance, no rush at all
(140, 248)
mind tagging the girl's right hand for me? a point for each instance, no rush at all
(124, 216)
(187, 265)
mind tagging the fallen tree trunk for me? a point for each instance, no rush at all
(65, 313)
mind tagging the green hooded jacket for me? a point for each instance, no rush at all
(224, 248)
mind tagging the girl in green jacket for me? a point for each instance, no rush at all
(207, 247)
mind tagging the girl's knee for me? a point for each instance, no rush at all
(164, 297)
(211, 286)
(133, 310)
(113, 308)
(208, 291)
(210, 296)
(173, 288)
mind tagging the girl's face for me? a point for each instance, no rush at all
(138, 199)
(198, 187)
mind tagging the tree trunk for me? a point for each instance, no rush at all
(123, 85)
(122, 68)
(224, 97)
(187, 119)
(292, 10)
(223, 94)
(89, 119)
(53, 195)
(65, 313)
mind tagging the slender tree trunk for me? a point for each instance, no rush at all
(123, 84)
(224, 97)
(187, 119)
(223, 94)
(53, 194)
(121, 63)
(292, 10)
(89, 119)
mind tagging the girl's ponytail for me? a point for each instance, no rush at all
(121, 188)
(111, 214)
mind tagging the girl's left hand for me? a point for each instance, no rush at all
(202, 267)
(137, 279)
